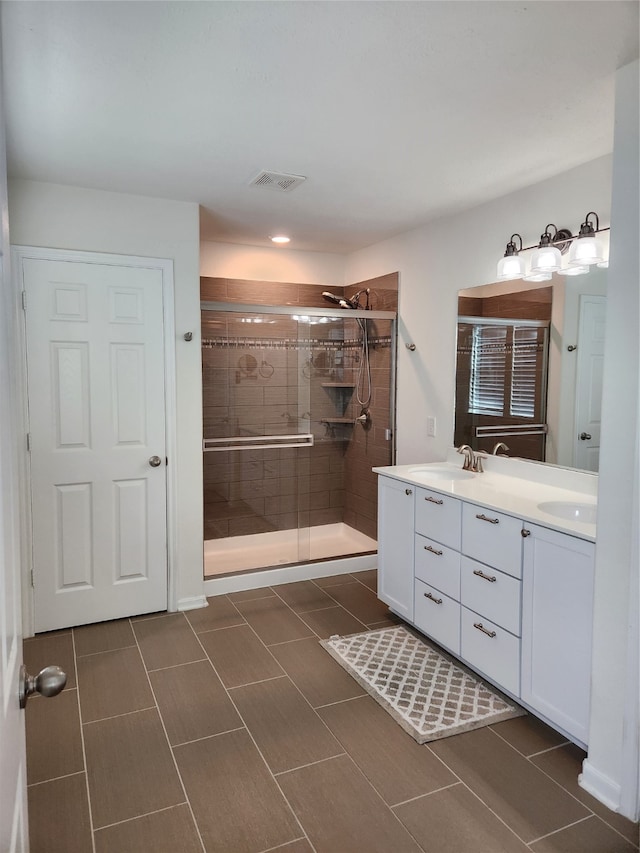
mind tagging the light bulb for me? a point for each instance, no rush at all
(585, 250)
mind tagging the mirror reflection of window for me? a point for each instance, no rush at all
(504, 395)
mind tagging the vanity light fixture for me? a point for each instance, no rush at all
(280, 238)
(511, 265)
(586, 249)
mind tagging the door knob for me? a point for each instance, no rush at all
(48, 682)
(584, 436)
(155, 461)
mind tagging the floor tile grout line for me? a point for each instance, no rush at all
(309, 764)
(174, 665)
(339, 604)
(311, 636)
(148, 618)
(544, 751)
(84, 749)
(253, 740)
(340, 701)
(138, 816)
(116, 716)
(282, 846)
(561, 829)
(221, 628)
(106, 651)
(164, 729)
(55, 778)
(331, 608)
(422, 796)
(251, 683)
(207, 737)
(476, 795)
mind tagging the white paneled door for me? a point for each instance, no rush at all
(95, 363)
(591, 332)
(13, 782)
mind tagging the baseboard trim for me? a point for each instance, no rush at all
(600, 786)
(193, 603)
(289, 574)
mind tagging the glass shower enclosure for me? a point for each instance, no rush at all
(298, 406)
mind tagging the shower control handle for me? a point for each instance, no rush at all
(155, 461)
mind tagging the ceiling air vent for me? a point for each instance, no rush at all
(277, 181)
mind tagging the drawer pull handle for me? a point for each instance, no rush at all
(490, 578)
(435, 600)
(408, 491)
(434, 500)
(481, 627)
(433, 550)
(484, 517)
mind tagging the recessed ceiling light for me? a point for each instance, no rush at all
(280, 238)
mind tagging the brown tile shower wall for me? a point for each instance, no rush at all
(253, 389)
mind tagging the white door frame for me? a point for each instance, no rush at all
(165, 266)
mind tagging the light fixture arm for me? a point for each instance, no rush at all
(511, 246)
(587, 229)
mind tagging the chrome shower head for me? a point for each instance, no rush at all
(339, 300)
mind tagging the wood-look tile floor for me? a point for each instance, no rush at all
(230, 730)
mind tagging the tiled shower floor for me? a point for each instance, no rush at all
(229, 729)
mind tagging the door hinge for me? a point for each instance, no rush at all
(32, 583)
(28, 442)
(24, 300)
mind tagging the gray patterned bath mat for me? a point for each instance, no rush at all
(425, 691)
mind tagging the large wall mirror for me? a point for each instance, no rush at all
(529, 368)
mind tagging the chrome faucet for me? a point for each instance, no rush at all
(500, 446)
(469, 458)
(472, 459)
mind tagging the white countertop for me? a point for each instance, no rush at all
(512, 486)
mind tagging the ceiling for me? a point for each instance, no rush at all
(396, 112)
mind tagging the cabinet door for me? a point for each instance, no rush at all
(395, 545)
(557, 614)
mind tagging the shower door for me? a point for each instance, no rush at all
(298, 409)
(256, 439)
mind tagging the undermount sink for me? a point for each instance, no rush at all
(583, 512)
(441, 472)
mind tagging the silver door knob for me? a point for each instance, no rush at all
(155, 461)
(48, 682)
(584, 436)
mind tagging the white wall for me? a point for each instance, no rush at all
(278, 263)
(612, 765)
(437, 260)
(65, 217)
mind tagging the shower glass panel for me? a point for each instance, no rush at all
(297, 409)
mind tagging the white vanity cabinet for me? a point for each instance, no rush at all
(396, 501)
(557, 614)
(513, 600)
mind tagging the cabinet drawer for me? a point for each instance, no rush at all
(496, 653)
(493, 538)
(438, 566)
(491, 593)
(438, 616)
(438, 517)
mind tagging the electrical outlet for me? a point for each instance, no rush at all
(431, 427)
